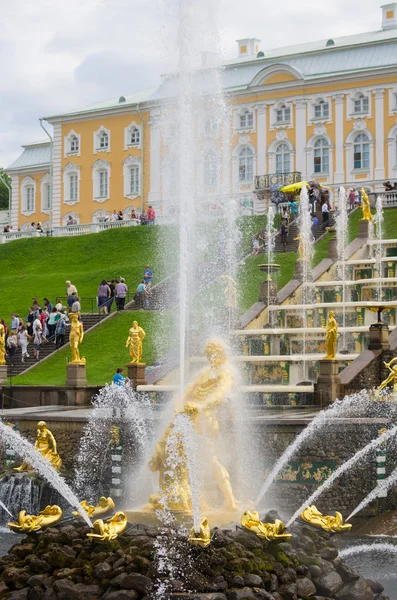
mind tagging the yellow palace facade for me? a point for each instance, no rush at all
(326, 109)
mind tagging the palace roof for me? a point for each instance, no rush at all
(37, 154)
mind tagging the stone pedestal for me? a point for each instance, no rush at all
(3, 373)
(136, 374)
(268, 292)
(333, 249)
(76, 375)
(363, 228)
(378, 337)
(327, 388)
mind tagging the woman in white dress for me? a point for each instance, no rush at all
(23, 340)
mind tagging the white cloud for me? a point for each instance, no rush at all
(58, 55)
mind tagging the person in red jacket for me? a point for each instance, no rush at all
(150, 216)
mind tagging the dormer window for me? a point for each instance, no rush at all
(321, 110)
(283, 114)
(102, 140)
(361, 104)
(246, 120)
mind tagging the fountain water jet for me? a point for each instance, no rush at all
(342, 225)
(306, 253)
(366, 548)
(379, 236)
(383, 486)
(26, 450)
(343, 468)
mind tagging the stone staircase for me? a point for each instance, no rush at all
(16, 367)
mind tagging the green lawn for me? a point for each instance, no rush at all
(104, 349)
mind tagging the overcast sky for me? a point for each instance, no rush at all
(60, 55)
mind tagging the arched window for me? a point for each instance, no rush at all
(210, 170)
(283, 114)
(321, 156)
(283, 159)
(246, 119)
(321, 110)
(361, 151)
(102, 140)
(361, 104)
(245, 165)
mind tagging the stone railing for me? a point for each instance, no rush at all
(389, 199)
(68, 230)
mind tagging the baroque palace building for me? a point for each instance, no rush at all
(327, 110)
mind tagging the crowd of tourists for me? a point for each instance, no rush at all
(145, 218)
(116, 291)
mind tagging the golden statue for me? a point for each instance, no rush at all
(331, 337)
(201, 399)
(104, 505)
(2, 345)
(301, 251)
(134, 343)
(109, 529)
(75, 338)
(392, 378)
(327, 523)
(47, 446)
(270, 531)
(230, 292)
(28, 523)
(202, 537)
(367, 216)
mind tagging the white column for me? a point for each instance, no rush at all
(261, 128)
(300, 126)
(339, 145)
(379, 135)
(155, 160)
(56, 175)
(14, 216)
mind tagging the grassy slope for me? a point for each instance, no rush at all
(39, 267)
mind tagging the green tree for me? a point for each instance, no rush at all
(4, 193)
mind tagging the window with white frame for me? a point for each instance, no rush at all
(73, 187)
(102, 140)
(135, 136)
(29, 198)
(361, 151)
(283, 159)
(72, 144)
(132, 136)
(134, 180)
(101, 180)
(321, 110)
(28, 191)
(71, 179)
(361, 104)
(210, 170)
(46, 193)
(283, 114)
(246, 120)
(321, 156)
(246, 165)
(132, 176)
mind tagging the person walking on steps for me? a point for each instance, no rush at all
(23, 340)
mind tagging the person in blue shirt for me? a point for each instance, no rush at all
(118, 379)
(148, 275)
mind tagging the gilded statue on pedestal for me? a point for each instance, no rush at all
(209, 391)
(392, 377)
(104, 506)
(75, 338)
(28, 523)
(202, 537)
(327, 523)
(230, 292)
(110, 529)
(366, 207)
(331, 336)
(134, 343)
(270, 531)
(47, 446)
(2, 345)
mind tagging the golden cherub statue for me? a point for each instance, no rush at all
(202, 537)
(104, 505)
(230, 292)
(75, 338)
(202, 398)
(366, 207)
(270, 531)
(47, 446)
(109, 529)
(327, 523)
(2, 345)
(331, 336)
(134, 343)
(392, 377)
(28, 523)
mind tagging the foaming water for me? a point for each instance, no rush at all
(307, 248)
(29, 453)
(339, 408)
(368, 548)
(379, 250)
(342, 230)
(383, 486)
(343, 468)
